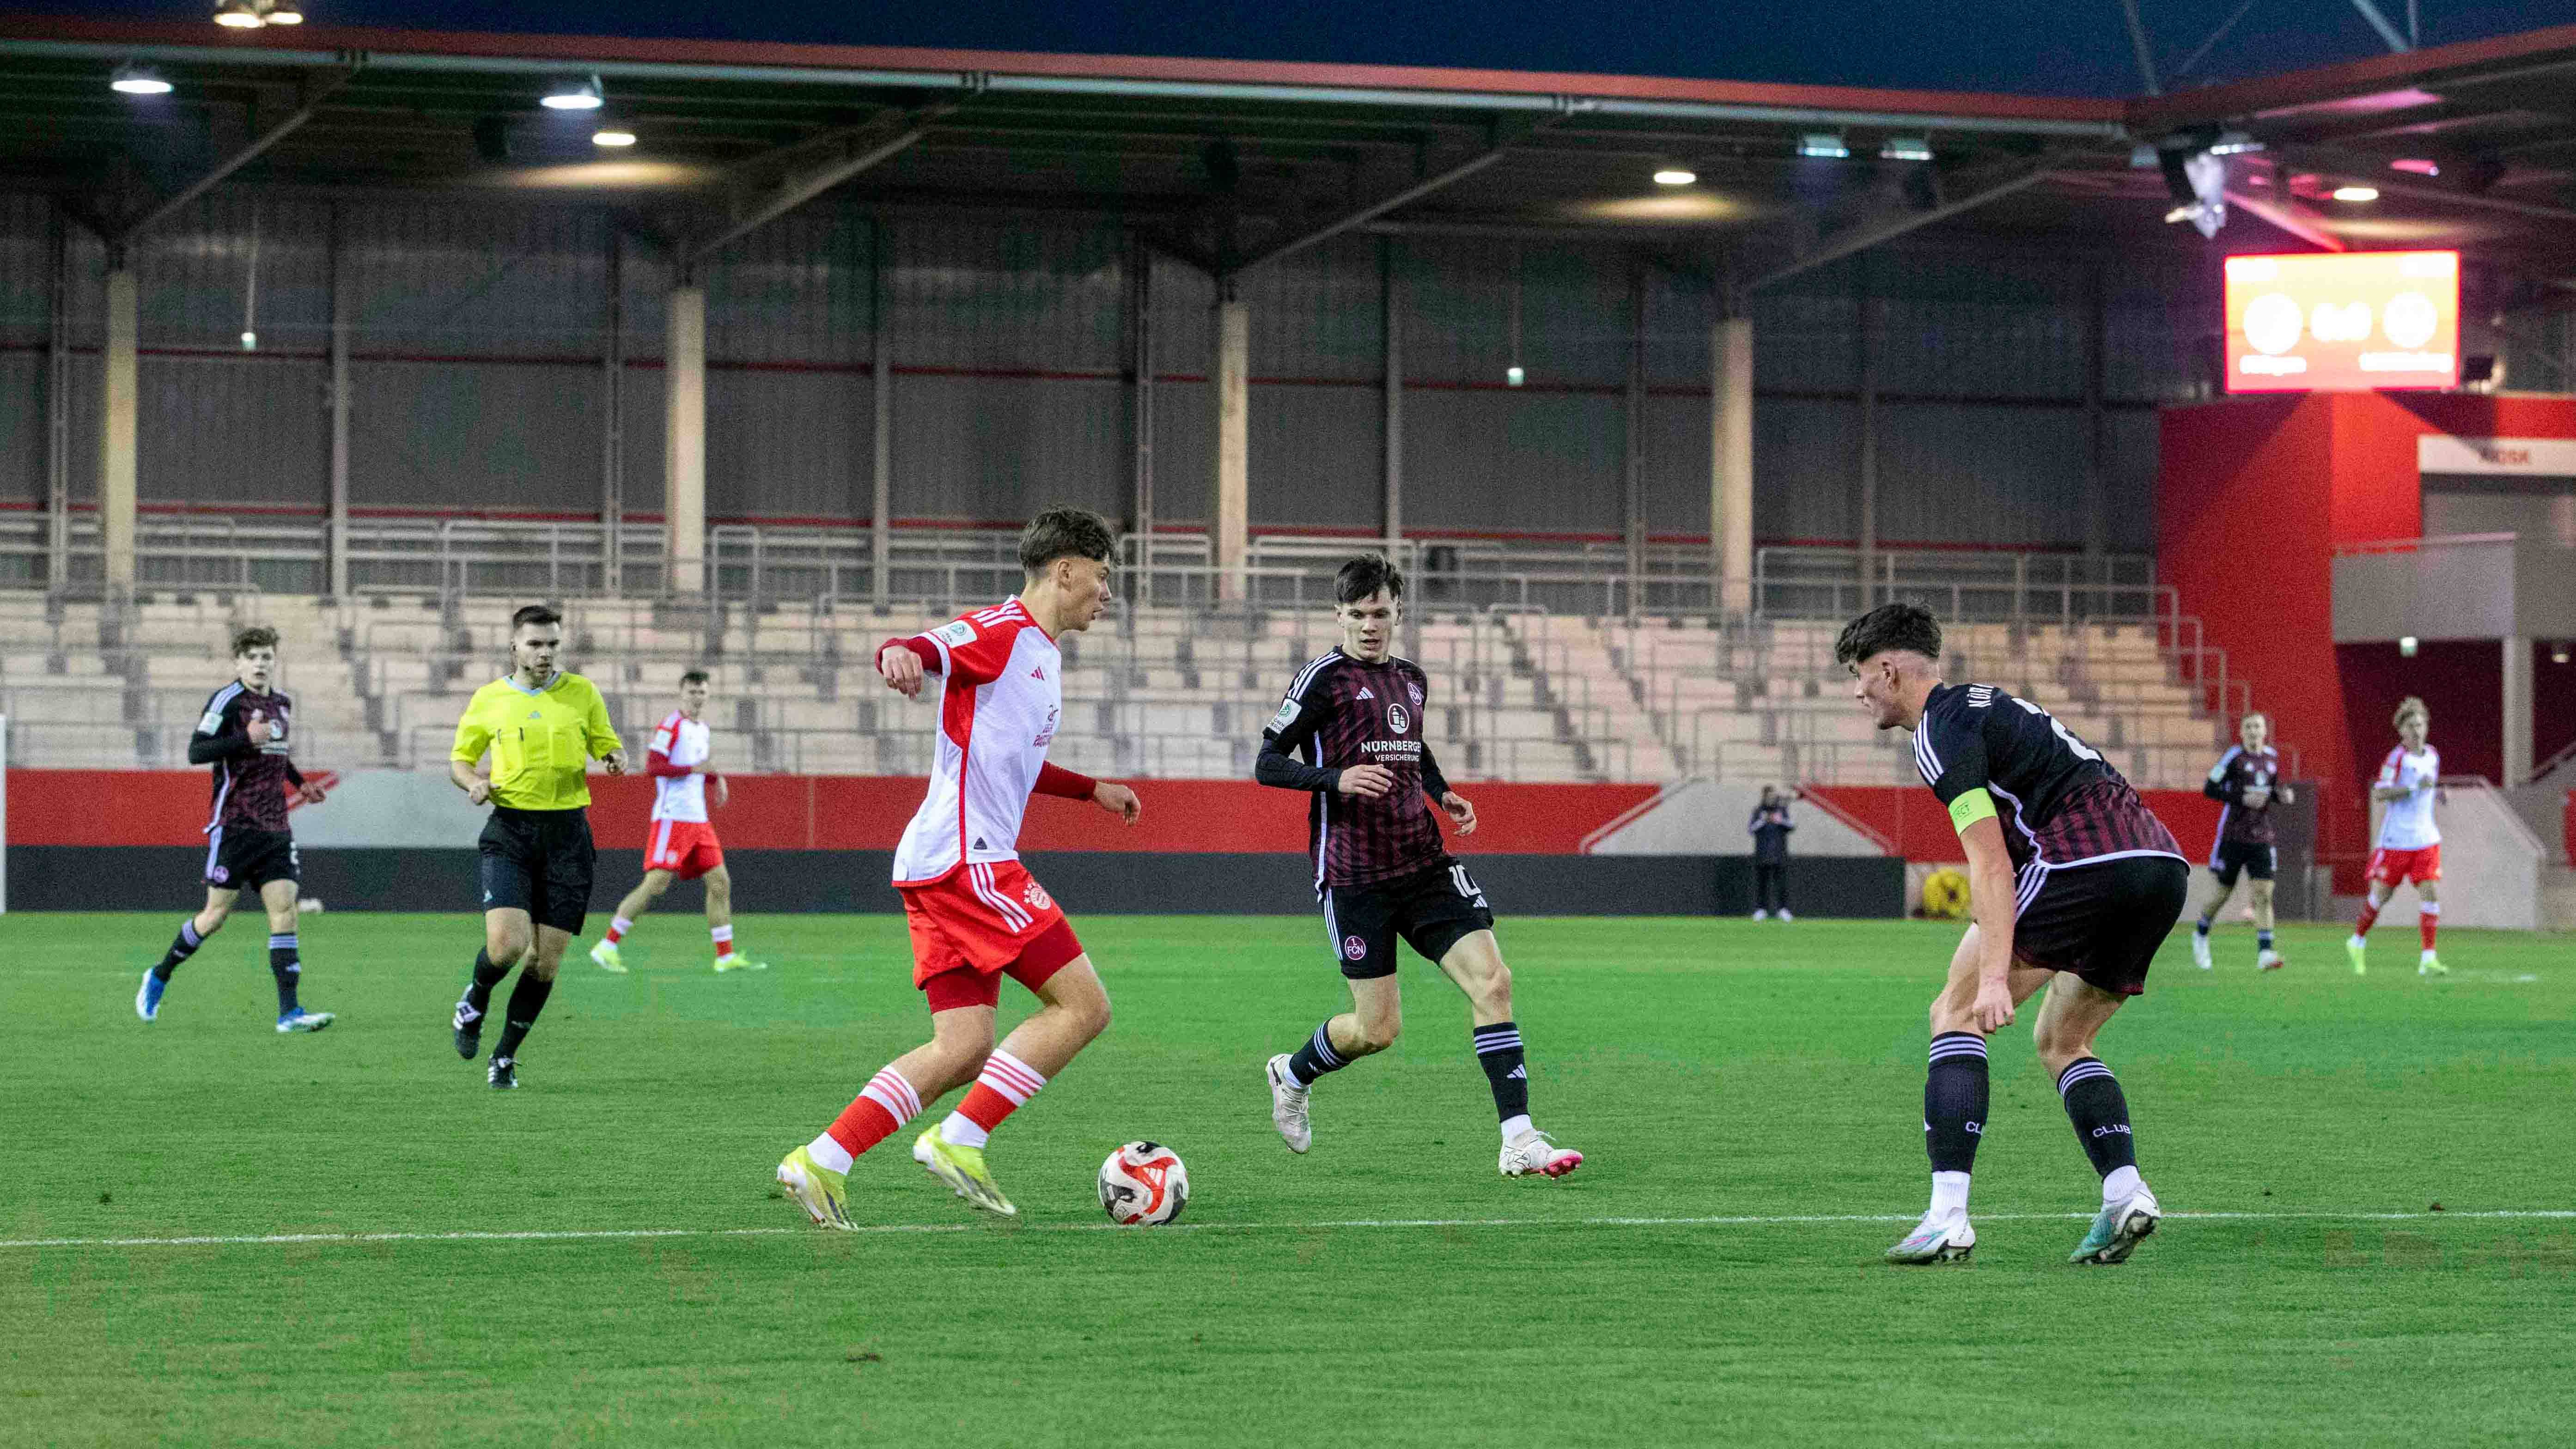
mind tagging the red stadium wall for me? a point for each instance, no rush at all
(2462, 680)
(844, 812)
(1917, 827)
(2253, 496)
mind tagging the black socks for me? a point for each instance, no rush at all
(2100, 1113)
(1316, 1057)
(182, 946)
(1954, 1100)
(478, 992)
(286, 967)
(1498, 1051)
(526, 1000)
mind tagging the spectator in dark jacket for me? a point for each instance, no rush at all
(1770, 827)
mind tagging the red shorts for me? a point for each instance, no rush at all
(2390, 867)
(685, 848)
(978, 923)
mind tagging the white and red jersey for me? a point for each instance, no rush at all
(2408, 825)
(1001, 697)
(678, 743)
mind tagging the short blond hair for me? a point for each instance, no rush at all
(2411, 707)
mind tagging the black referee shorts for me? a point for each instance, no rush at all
(1431, 909)
(2102, 922)
(539, 861)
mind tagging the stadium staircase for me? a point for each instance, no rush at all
(1169, 692)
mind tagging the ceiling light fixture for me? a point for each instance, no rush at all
(239, 14)
(1675, 176)
(612, 136)
(135, 80)
(1824, 145)
(1906, 148)
(285, 12)
(2417, 165)
(581, 95)
(2356, 193)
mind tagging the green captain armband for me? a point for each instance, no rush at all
(1970, 808)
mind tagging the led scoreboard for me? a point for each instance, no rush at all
(2343, 321)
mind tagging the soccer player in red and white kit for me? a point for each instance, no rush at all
(681, 844)
(976, 914)
(2409, 846)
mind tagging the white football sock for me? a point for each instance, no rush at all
(1516, 1128)
(829, 1154)
(961, 1130)
(2120, 1185)
(1949, 1192)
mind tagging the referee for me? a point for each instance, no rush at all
(543, 728)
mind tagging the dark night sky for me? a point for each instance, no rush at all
(1999, 45)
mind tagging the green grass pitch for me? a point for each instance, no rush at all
(1748, 1097)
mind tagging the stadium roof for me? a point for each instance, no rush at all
(1230, 163)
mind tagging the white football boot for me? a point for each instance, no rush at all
(1533, 1154)
(2268, 961)
(2200, 951)
(2118, 1229)
(1288, 1106)
(1942, 1237)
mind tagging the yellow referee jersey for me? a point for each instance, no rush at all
(540, 739)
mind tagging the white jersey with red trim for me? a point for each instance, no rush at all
(1002, 694)
(2408, 825)
(684, 741)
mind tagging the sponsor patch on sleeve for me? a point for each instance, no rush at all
(1286, 716)
(955, 636)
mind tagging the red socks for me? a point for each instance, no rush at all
(887, 1103)
(1006, 1083)
(2369, 913)
(723, 937)
(2428, 919)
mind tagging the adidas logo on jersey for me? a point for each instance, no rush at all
(1038, 673)
(1366, 692)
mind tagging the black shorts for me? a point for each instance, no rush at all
(245, 860)
(539, 861)
(2102, 922)
(1432, 909)
(2232, 856)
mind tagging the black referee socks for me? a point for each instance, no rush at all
(526, 1000)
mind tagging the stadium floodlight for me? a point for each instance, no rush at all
(2406, 647)
(2558, 655)
(580, 95)
(1675, 176)
(1906, 148)
(239, 14)
(137, 80)
(2356, 193)
(1823, 145)
(1513, 376)
(612, 136)
(285, 12)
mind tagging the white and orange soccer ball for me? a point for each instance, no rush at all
(1144, 1185)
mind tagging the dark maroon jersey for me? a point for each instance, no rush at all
(250, 780)
(1340, 713)
(2062, 804)
(2236, 772)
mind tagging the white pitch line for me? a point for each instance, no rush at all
(549, 1235)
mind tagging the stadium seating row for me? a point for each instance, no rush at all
(1151, 692)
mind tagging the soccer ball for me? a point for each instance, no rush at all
(1143, 1185)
